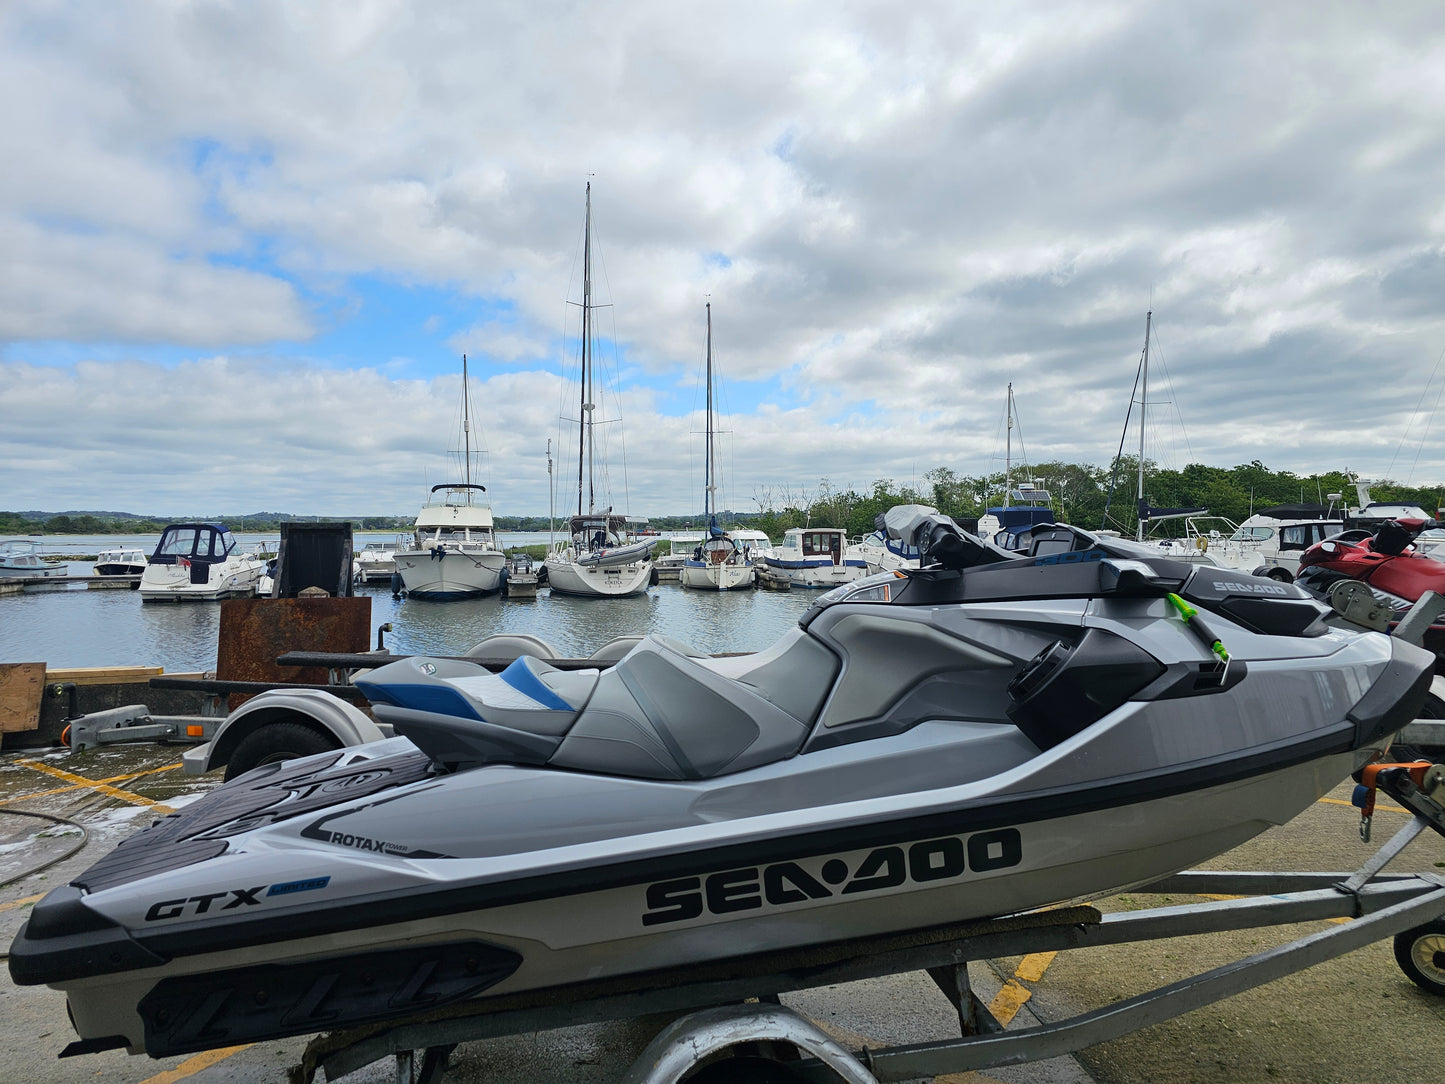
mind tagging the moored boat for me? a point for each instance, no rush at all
(816, 557)
(718, 563)
(608, 554)
(453, 552)
(21, 557)
(199, 562)
(120, 561)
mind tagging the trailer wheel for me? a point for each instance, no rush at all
(1421, 955)
(1433, 708)
(745, 1069)
(274, 742)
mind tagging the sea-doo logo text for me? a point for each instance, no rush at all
(175, 908)
(784, 883)
(1249, 588)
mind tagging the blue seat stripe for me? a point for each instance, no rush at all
(520, 677)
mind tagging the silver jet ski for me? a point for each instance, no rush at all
(990, 734)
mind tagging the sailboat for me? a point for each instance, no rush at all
(1180, 549)
(1020, 511)
(453, 552)
(604, 558)
(718, 564)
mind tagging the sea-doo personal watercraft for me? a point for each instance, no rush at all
(1386, 560)
(989, 734)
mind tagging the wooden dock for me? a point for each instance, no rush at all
(14, 585)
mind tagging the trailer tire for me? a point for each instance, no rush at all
(273, 742)
(1421, 955)
(1433, 708)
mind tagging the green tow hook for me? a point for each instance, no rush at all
(1192, 619)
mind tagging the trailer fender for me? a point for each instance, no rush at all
(334, 723)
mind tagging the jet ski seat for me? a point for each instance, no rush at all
(657, 714)
(660, 714)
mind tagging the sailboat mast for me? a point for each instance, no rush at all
(584, 420)
(1008, 445)
(708, 451)
(466, 430)
(1143, 413)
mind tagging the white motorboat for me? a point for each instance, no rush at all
(756, 544)
(453, 552)
(376, 561)
(199, 562)
(884, 554)
(20, 557)
(718, 564)
(1268, 543)
(816, 557)
(606, 556)
(120, 561)
(669, 565)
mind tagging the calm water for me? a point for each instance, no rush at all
(78, 627)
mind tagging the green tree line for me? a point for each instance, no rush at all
(1088, 496)
(1081, 494)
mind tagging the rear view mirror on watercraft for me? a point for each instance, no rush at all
(992, 733)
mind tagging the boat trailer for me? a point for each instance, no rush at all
(731, 1008)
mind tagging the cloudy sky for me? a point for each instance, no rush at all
(243, 246)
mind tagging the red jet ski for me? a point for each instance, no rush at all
(1385, 561)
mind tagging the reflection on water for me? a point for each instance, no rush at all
(711, 621)
(78, 627)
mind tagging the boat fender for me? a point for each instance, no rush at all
(502, 582)
(652, 577)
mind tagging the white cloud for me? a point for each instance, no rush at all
(895, 211)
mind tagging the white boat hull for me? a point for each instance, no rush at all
(817, 573)
(719, 577)
(172, 583)
(566, 577)
(450, 573)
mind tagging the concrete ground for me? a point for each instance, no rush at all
(1353, 1018)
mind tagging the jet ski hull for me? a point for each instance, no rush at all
(663, 926)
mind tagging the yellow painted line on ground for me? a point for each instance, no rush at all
(20, 903)
(1380, 805)
(103, 788)
(1008, 1001)
(194, 1065)
(1033, 966)
(87, 783)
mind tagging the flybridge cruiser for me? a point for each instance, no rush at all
(989, 734)
(453, 551)
(199, 561)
